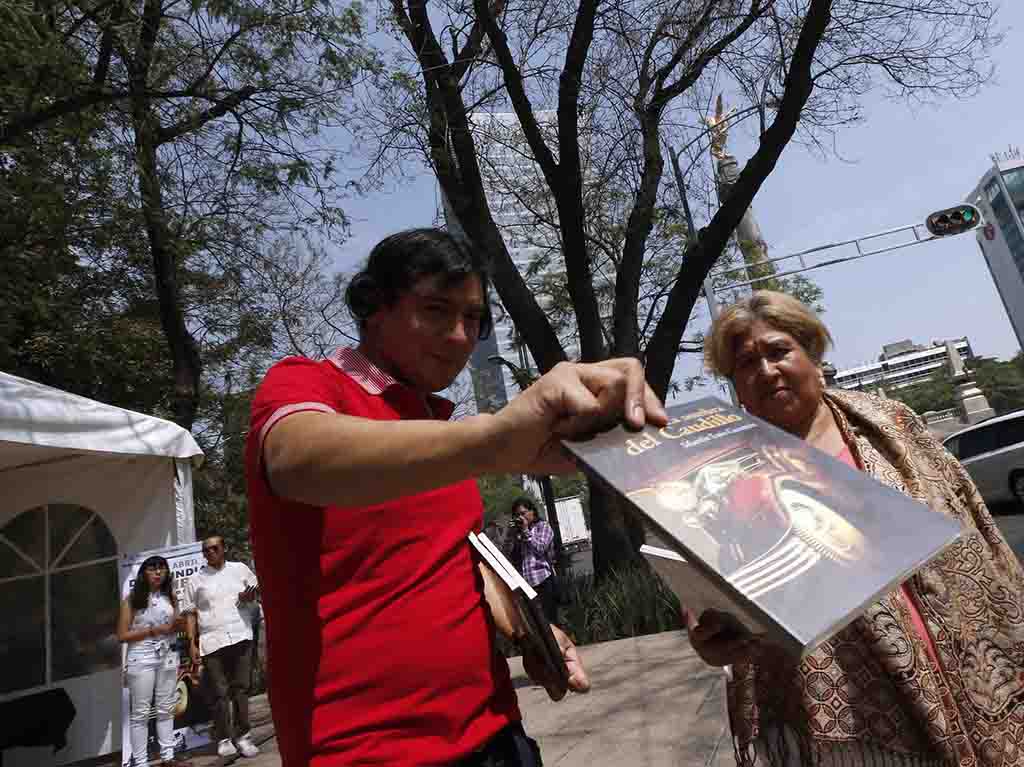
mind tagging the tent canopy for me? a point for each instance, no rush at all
(39, 424)
(85, 484)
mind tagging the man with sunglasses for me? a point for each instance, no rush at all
(221, 599)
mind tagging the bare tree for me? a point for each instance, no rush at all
(625, 79)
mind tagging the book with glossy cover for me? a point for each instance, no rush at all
(790, 542)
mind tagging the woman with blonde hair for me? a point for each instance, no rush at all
(933, 673)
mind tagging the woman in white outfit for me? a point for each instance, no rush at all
(148, 623)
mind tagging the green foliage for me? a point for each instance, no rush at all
(219, 485)
(936, 394)
(1002, 382)
(624, 603)
(231, 97)
(498, 493)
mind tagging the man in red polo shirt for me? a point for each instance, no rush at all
(361, 495)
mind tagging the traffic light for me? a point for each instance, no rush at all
(956, 220)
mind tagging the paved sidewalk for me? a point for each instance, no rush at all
(653, 703)
(262, 736)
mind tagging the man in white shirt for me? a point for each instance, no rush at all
(221, 599)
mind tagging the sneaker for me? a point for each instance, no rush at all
(226, 748)
(246, 746)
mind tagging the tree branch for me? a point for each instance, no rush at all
(465, 58)
(701, 255)
(451, 140)
(665, 93)
(19, 125)
(517, 93)
(194, 122)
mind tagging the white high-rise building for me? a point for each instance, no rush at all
(902, 363)
(1000, 197)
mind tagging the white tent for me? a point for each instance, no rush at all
(83, 484)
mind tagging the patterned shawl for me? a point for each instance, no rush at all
(872, 688)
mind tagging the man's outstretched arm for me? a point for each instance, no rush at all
(332, 459)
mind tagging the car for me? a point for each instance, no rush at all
(993, 454)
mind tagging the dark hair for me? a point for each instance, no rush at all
(399, 261)
(526, 502)
(140, 588)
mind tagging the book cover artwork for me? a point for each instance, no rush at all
(805, 538)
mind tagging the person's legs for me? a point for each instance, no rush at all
(239, 680)
(220, 688)
(548, 593)
(165, 687)
(141, 682)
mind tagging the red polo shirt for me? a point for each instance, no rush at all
(381, 650)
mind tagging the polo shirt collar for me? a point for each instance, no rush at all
(375, 381)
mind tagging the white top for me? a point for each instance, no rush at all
(151, 650)
(213, 595)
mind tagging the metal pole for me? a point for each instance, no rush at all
(548, 490)
(839, 243)
(709, 291)
(709, 294)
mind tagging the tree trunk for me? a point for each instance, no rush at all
(186, 363)
(616, 534)
(548, 491)
(702, 254)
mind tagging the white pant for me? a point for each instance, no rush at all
(146, 683)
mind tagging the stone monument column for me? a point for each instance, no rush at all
(972, 404)
(727, 170)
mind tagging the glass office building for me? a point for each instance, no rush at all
(1000, 197)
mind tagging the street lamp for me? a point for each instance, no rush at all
(524, 380)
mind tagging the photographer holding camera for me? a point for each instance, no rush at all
(534, 552)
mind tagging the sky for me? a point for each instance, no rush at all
(899, 164)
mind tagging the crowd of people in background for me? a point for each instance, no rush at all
(217, 615)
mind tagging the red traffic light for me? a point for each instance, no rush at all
(956, 220)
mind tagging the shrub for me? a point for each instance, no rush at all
(625, 603)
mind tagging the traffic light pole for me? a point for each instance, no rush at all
(862, 244)
(938, 225)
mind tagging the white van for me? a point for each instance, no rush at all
(993, 454)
